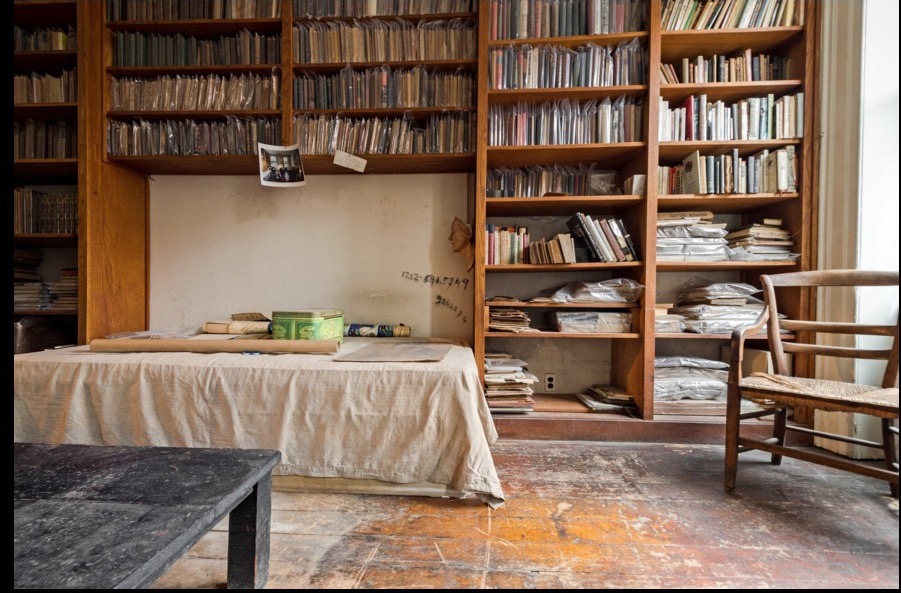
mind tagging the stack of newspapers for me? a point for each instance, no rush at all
(508, 383)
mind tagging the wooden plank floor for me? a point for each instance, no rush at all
(586, 515)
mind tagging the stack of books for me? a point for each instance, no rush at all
(508, 383)
(763, 240)
(608, 398)
(605, 239)
(25, 265)
(64, 293)
(509, 320)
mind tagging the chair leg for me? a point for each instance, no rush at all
(889, 432)
(779, 419)
(733, 421)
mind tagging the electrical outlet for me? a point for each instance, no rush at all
(550, 382)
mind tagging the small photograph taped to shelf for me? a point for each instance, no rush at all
(280, 166)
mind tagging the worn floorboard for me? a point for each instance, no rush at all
(586, 515)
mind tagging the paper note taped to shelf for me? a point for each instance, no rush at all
(345, 159)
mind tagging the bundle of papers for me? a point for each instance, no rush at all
(766, 240)
(607, 398)
(510, 320)
(508, 383)
(716, 307)
(690, 236)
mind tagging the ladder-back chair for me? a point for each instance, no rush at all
(778, 394)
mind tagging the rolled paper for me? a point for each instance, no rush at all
(236, 345)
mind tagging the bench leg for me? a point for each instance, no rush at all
(249, 528)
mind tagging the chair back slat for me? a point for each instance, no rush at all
(838, 351)
(838, 327)
(835, 278)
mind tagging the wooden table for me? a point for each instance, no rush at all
(101, 517)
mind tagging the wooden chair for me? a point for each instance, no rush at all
(779, 394)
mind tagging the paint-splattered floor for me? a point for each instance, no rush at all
(586, 515)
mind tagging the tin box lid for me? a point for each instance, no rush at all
(308, 314)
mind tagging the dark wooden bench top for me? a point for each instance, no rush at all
(103, 517)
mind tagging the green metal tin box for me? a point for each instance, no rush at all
(313, 324)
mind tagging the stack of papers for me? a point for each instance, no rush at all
(510, 320)
(508, 383)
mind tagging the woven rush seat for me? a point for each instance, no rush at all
(831, 396)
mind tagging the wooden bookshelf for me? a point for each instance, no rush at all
(627, 360)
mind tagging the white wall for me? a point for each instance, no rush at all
(362, 243)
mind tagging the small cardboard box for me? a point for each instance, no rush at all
(312, 324)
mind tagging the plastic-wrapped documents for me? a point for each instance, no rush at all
(616, 290)
(686, 377)
(591, 322)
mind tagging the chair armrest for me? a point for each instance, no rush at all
(737, 344)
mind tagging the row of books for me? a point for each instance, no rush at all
(45, 88)
(559, 249)
(39, 139)
(744, 67)
(767, 171)
(566, 122)
(606, 239)
(44, 212)
(544, 180)
(187, 137)
(384, 87)
(44, 39)
(522, 19)
(134, 48)
(682, 15)
(442, 134)
(339, 42)
(526, 66)
(203, 92)
(364, 8)
(167, 10)
(754, 118)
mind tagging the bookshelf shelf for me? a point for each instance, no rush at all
(729, 91)
(559, 205)
(577, 267)
(67, 111)
(612, 155)
(196, 115)
(45, 239)
(54, 169)
(330, 67)
(531, 305)
(24, 61)
(199, 27)
(416, 113)
(723, 203)
(504, 96)
(47, 312)
(147, 71)
(572, 41)
(411, 18)
(552, 335)
(677, 151)
(683, 266)
(677, 44)
(312, 164)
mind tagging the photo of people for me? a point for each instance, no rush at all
(281, 166)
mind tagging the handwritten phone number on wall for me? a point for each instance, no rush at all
(441, 301)
(433, 280)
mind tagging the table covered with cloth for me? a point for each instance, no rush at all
(401, 422)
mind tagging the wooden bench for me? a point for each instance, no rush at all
(99, 517)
